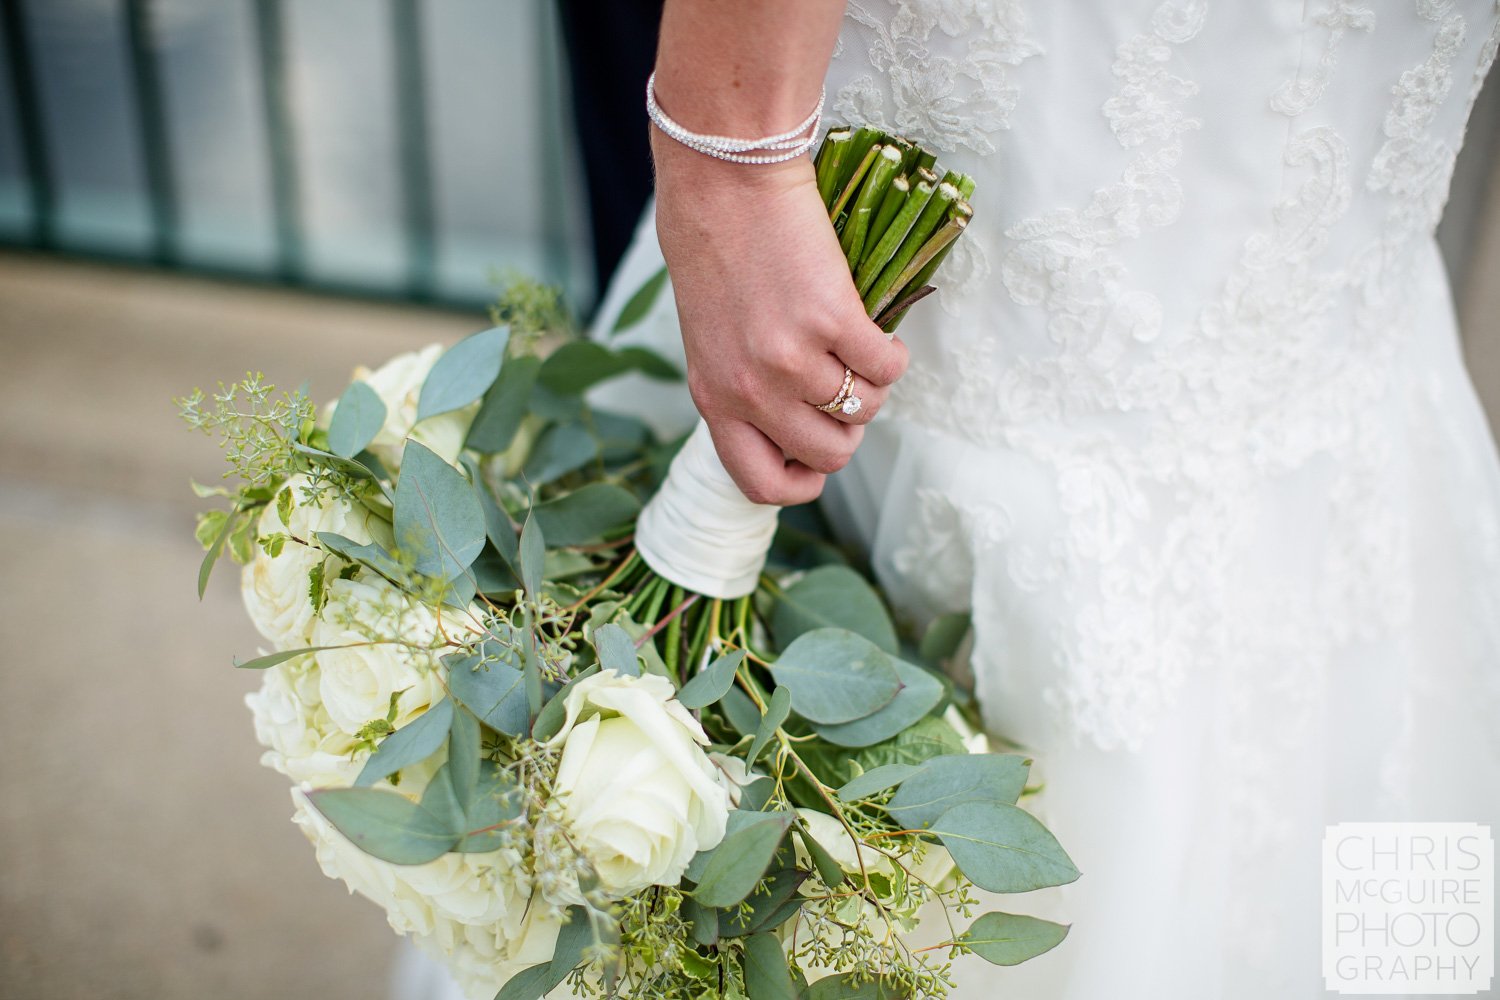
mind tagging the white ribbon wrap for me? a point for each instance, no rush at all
(699, 531)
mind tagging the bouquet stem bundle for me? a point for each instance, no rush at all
(896, 218)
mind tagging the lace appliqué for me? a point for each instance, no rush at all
(1301, 92)
(942, 71)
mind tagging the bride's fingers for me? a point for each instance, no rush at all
(857, 403)
(760, 469)
(808, 436)
(865, 347)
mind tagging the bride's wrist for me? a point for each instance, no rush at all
(686, 174)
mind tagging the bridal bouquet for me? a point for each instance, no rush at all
(554, 759)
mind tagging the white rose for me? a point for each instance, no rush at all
(276, 589)
(640, 795)
(300, 740)
(356, 683)
(468, 890)
(975, 741)
(734, 776)
(407, 911)
(475, 889)
(482, 961)
(398, 383)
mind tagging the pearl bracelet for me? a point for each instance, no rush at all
(787, 145)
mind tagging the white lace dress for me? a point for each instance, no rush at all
(1189, 431)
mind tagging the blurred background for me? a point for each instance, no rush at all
(193, 188)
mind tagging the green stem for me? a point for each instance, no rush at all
(895, 197)
(932, 214)
(870, 268)
(940, 241)
(935, 260)
(855, 179)
(674, 636)
(830, 162)
(871, 193)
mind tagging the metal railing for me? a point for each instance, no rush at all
(143, 34)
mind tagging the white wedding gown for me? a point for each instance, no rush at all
(1188, 428)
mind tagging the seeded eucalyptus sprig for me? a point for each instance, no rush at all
(896, 217)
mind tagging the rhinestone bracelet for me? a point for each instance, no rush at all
(786, 145)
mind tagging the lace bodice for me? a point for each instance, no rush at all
(1202, 260)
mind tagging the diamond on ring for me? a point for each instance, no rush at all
(852, 405)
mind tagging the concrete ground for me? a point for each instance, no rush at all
(144, 853)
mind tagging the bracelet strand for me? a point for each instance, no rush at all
(776, 148)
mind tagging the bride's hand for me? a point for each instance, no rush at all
(770, 318)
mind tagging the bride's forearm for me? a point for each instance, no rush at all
(744, 67)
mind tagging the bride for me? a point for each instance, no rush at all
(1187, 429)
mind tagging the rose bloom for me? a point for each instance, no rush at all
(398, 383)
(301, 741)
(275, 589)
(640, 796)
(356, 682)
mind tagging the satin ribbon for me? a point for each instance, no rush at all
(699, 531)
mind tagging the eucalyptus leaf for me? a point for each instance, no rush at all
(441, 801)
(575, 936)
(875, 781)
(491, 686)
(920, 693)
(712, 682)
(777, 709)
(649, 363)
(411, 744)
(829, 870)
(832, 597)
(215, 549)
(638, 306)
(504, 406)
(944, 782)
(766, 973)
(532, 557)
(740, 711)
(493, 575)
(528, 984)
(579, 365)
(616, 650)
(586, 513)
(741, 860)
(498, 526)
(357, 418)
(561, 449)
(621, 438)
(765, 905)
(385, 825)
(1003, 848)
(1010, 938)
(463, 758)
(943, 637)
(372, 555)
(738, 820)
(930, 737)
(272, 659)
(836, 676)
(348, 466)
(438, 520)
(845, 987)
(463, 373)
(550, 719)
(496, 800)
(703, 922)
